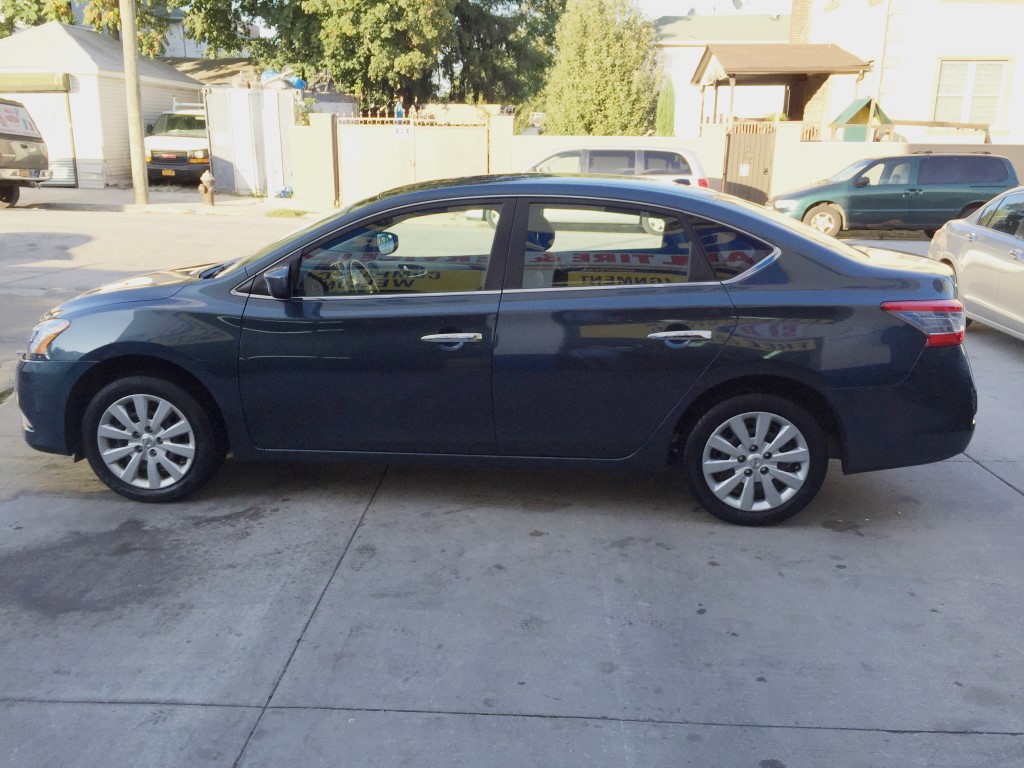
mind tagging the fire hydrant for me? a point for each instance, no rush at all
(206, 185)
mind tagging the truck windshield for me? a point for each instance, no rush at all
(180, 125)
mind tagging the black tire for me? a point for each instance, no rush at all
(9, 195)
(930, 233)
(825, 218)
(144, 463)
(704, 464)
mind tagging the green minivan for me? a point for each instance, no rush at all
(918, 191)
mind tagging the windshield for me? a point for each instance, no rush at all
(169, 124)
(851, 170)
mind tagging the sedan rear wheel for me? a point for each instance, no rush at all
(825, 218)
(149, 440)
(755, 459)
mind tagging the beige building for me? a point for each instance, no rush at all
(932, 60)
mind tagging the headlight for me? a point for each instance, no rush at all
(43, 336)
(199, 154)
(784, 205)
(149, 156)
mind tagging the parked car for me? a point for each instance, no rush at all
(919, 191)
(24, 161)
(986, 251)
(177, 146)
(673, 166)
(739, 345)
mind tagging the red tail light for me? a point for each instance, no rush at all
(702, 182)
(942, 321)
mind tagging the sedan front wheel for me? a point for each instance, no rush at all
(755, 459)
(149, 440)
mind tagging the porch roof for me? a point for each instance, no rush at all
(772, 63)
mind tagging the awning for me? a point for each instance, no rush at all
(34, 82)
(772, 63)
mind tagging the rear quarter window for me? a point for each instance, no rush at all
(729, 252)
(665, 162)
(963, 170)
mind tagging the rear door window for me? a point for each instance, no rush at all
(729, 251)
(665, 162)
(15, 121)
(962, 169)
(614, 161)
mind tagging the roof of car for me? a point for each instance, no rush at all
(542, 184)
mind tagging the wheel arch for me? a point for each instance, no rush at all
(121, 367)
(797, 392)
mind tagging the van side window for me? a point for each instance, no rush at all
(563, 162)
(665, 162)
(962, 170)
(614, 161)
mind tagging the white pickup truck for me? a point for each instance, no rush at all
(177, 147)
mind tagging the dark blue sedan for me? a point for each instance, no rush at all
(519, 320)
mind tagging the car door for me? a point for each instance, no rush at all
(1010, 301)
(880, 196)
(986, 255)
(386, 343)
(602, 330)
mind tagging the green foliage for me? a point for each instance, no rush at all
(665, 118)
(30, 13)
(101, 15)
(604, 79)
(303, 110)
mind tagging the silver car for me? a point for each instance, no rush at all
(986, 250)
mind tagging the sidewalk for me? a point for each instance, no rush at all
(162, 199)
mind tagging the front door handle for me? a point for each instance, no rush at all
(453, 341)
(1018, 254)
(971, 237)
(678, 339)
(679, 335)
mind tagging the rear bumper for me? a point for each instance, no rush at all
(25, 177)
(928, 417)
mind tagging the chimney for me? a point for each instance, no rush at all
(800, 21)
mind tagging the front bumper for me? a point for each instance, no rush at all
(928, 417)
(157, 170)
(44, 390)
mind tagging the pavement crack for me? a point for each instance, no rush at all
(1005, 482)
(312, 613)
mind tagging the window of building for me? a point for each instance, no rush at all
(969, 91)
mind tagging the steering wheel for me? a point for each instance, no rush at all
(360, 278)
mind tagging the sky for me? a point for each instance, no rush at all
(658, 8)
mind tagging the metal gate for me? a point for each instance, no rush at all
(749, 152)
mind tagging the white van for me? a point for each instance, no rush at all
(24, 161)
(177, 147)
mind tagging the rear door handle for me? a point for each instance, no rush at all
(1018, 254)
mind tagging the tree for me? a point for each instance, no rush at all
(665, 118)
(604, 80)
(101, 15)
(30, 13)
(461, 50)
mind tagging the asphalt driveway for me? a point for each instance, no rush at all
(342, 615)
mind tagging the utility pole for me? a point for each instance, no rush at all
(136, 136)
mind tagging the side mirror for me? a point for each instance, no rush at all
(149, 129)
(278, 282)
(387, 243)
(863, 181)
